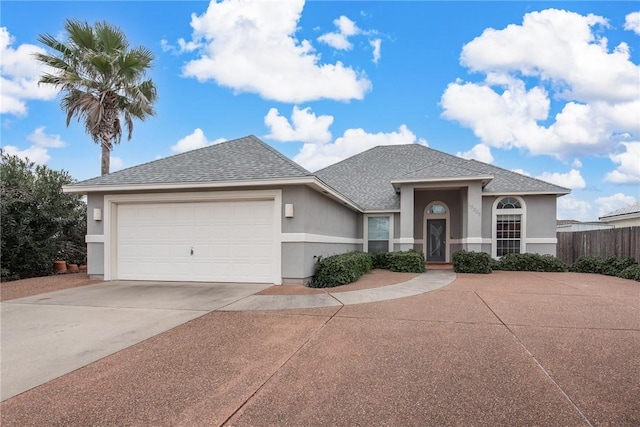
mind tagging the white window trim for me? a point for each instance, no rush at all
(365, 232)
(111, 202)
(447, 217)
(494, 219)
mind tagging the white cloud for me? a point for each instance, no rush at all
(115, 164)
(613, 202)
(34, 153)
(632, 22)
(521, 171)
(340, 39)
(570, 207)
(353, 141)
(595, 89)
(629, 170)
(479, 152)
(38, 151)
(193, 141)
(572, 179)
(576, 163)
(305, 126)
(41, 139)
(183, 46)
(376, 44)
(19, 75)
(251, 46)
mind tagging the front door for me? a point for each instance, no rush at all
(436, 240)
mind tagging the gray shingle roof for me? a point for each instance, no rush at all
(366, 178)
(634, 208)
(237, 160)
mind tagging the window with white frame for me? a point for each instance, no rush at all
(509, 213)
(378, 230)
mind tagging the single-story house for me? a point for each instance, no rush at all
(240, 211)
(629, 216)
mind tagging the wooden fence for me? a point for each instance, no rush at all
(620, 242)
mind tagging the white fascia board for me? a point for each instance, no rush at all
(630, 215)
(323, 188)
(526, 193)
(442, 180)
(380, 211)
(81, 189)
(309, 180)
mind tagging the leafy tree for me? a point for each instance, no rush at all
(102, 79)
(39, 222)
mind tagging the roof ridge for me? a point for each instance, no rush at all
(279, 154)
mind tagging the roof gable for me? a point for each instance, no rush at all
(240, 159)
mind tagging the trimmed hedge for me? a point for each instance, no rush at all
(471, 262)
(632, 272)
(482, 263)
(530, 262)
(341, 269)
(626, 268)
(402, 262)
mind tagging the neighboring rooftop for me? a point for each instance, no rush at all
(240, 159)
(366, 177)
(627, 210)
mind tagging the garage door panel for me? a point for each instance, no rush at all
(232, 241)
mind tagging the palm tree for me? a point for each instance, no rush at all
(103, 81)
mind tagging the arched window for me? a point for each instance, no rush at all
(509, 226)
(509, 203)
(437, 208)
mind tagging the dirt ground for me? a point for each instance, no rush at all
(40, 285)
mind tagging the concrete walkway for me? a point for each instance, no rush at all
(426, 282)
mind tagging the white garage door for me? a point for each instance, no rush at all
(226, 241)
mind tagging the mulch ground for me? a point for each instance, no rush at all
(373, 279)
(40, 285)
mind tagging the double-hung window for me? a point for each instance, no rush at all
(378, 233)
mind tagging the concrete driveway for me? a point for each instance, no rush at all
(46, 336)
(503, 349)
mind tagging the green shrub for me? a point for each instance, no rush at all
(380, 260)
(340, 269)
(612, 266)
(531, 262)
(631, 272)
(587, 264)
(471, 262)
(403, 262)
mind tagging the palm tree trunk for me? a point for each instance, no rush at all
(106, 158)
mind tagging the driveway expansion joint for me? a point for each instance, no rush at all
(537, 362)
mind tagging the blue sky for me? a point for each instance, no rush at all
(549, 89)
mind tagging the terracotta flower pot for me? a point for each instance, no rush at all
(72, 268)
(59, 267)
(82, 268)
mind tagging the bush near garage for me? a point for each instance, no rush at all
(472, 262)
(530, 262)
(39, 222)
(338, 270)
